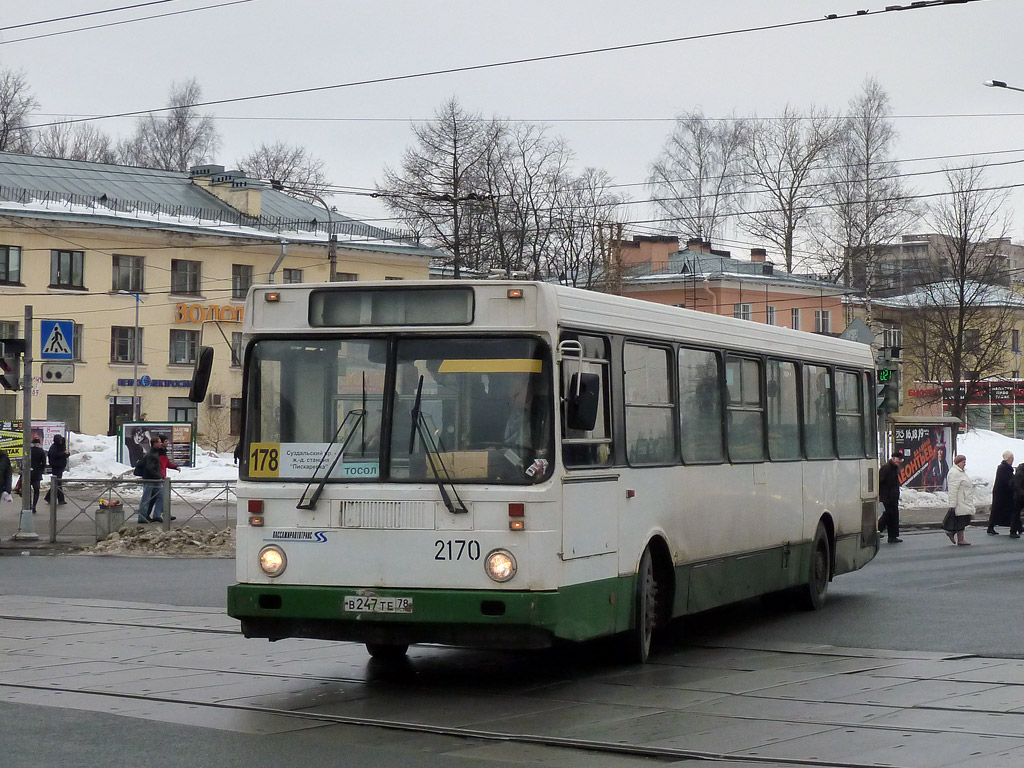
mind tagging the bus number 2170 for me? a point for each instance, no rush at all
(457, 549)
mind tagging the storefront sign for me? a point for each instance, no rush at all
(213, 313)
(145, 381)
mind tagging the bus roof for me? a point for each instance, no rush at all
(557, 306)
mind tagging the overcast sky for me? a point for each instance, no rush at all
(615, 109)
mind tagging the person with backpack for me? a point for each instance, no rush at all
(165, 463)
(148, 468)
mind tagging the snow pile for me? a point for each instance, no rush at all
(94, 457)
(984, 450)
(149, 541)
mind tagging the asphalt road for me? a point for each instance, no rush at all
(920, 595)
(923, 594)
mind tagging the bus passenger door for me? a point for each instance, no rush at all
(590, 488)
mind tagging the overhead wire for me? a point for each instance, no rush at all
(118, 23)
(920, 5)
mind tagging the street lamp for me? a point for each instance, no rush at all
(332, 241)
(136, 353)
(1001, 84)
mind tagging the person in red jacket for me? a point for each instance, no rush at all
(160, 449)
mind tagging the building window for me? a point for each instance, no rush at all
(126, 274)
(66, 408)
(10, 264)
(235, 427)
(241, 279)
(8, 329)
(67, 269)
(122, 344)
(180, 409)
(392, 277)
(822, 321)
(186, 277)
(345, 277)
(742, 311)
(770, 317)
(293, 275)
(795, 322)
(236, 350)
(78, 337)
(183, 347)
(1015, 340)
(8, 407)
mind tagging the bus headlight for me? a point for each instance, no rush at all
(272, 560)
(500, 565)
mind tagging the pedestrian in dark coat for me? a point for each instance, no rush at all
(1018, 501)
(38, 464)
(6, 476)
(1002, 495)
(889, 495)
(58, 455)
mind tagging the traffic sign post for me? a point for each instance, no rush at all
(58, 373)
(56, 339)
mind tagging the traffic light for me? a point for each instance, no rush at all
(887, 391)
(10, 363)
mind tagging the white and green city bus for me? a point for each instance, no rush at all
(511, 464)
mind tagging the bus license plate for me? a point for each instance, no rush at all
(368, 604)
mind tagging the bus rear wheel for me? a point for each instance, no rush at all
(387, 651)
(638, 639)
(811, 595)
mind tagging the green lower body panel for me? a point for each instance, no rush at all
(479, 618)
(505, 619)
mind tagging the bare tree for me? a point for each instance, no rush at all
(697, 180)
(75, 141)
(291, 165)
(174, 140)
(960, 321)
(867, 203)
(784, 159)
(586, 209)
(440, 178)
(16, 102)
(524, 172)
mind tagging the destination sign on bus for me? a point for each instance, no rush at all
(298, 460)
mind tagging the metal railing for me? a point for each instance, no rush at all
(95, 507)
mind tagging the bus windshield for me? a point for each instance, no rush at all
(471, 409)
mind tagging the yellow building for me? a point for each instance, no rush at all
(160, 262)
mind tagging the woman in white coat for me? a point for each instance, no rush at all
(960, 499)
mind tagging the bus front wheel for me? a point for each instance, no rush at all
(645, 612)
(811, 595)
(387, 651)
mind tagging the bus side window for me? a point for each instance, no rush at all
(818, 412)
(700, 406)
(581, 447)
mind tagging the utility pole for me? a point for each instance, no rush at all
(26, 528)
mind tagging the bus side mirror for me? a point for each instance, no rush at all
(581, 400)
(201, 375)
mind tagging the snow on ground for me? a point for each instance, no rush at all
(94, 457)
(984, 450)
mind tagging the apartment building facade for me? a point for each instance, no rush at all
(149, 265)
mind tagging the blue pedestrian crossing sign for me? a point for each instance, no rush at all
(56, 338)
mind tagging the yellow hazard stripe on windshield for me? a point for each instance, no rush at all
(508, 365)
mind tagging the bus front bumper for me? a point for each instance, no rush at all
(475, 618)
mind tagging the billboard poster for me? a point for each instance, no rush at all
(11, 434)
(926, 456)
(134, 440)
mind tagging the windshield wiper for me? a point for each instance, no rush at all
(356, 417)
(419, 424)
